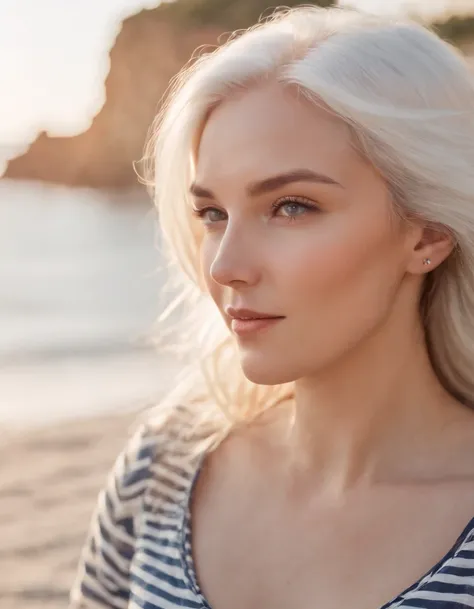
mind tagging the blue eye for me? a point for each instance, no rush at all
(210, 215)
(291, 208)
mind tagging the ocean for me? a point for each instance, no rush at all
(81, 285)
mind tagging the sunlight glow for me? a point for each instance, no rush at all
(54, 59)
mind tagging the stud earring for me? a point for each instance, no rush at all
(427, 261)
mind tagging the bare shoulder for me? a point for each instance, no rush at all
(246, 456)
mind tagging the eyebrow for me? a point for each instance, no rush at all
(261, 187)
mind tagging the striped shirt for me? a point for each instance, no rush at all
(138, 551)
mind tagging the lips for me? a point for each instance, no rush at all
(248, 314)
(247, 321)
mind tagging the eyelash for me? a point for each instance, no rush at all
(307, 204)
(303, 202)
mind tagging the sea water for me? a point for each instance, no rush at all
(81, 285)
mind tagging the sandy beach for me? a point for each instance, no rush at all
(49, 481)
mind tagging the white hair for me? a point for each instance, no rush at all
(409, 101)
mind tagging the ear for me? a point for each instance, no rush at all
(434, 245)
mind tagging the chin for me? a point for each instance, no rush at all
(262, 371)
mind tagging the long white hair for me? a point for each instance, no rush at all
(408, 98)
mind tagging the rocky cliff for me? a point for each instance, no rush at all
(150, 49)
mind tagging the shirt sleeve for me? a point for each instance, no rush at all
(103, 576)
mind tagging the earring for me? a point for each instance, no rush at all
(427, 261)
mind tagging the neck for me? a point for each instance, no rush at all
(372, 415)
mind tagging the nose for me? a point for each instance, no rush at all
(236, 261)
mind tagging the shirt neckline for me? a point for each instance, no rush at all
(189, 567)
(455, 548)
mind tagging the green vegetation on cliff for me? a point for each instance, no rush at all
(236, 14)
(227, 13)
(456, 29)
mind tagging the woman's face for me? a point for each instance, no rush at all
(296, 226)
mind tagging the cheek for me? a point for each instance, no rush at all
(345, 267)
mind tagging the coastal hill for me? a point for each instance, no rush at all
(147, 53)
(150, 49)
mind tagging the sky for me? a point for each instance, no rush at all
(54, 59)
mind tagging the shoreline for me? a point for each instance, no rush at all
(47, 393)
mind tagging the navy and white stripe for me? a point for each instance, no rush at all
(138, 551)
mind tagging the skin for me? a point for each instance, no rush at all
(349, 495)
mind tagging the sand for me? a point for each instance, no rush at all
(49, 481)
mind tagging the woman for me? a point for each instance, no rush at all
(315, 179)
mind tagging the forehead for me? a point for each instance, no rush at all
(271, 129)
